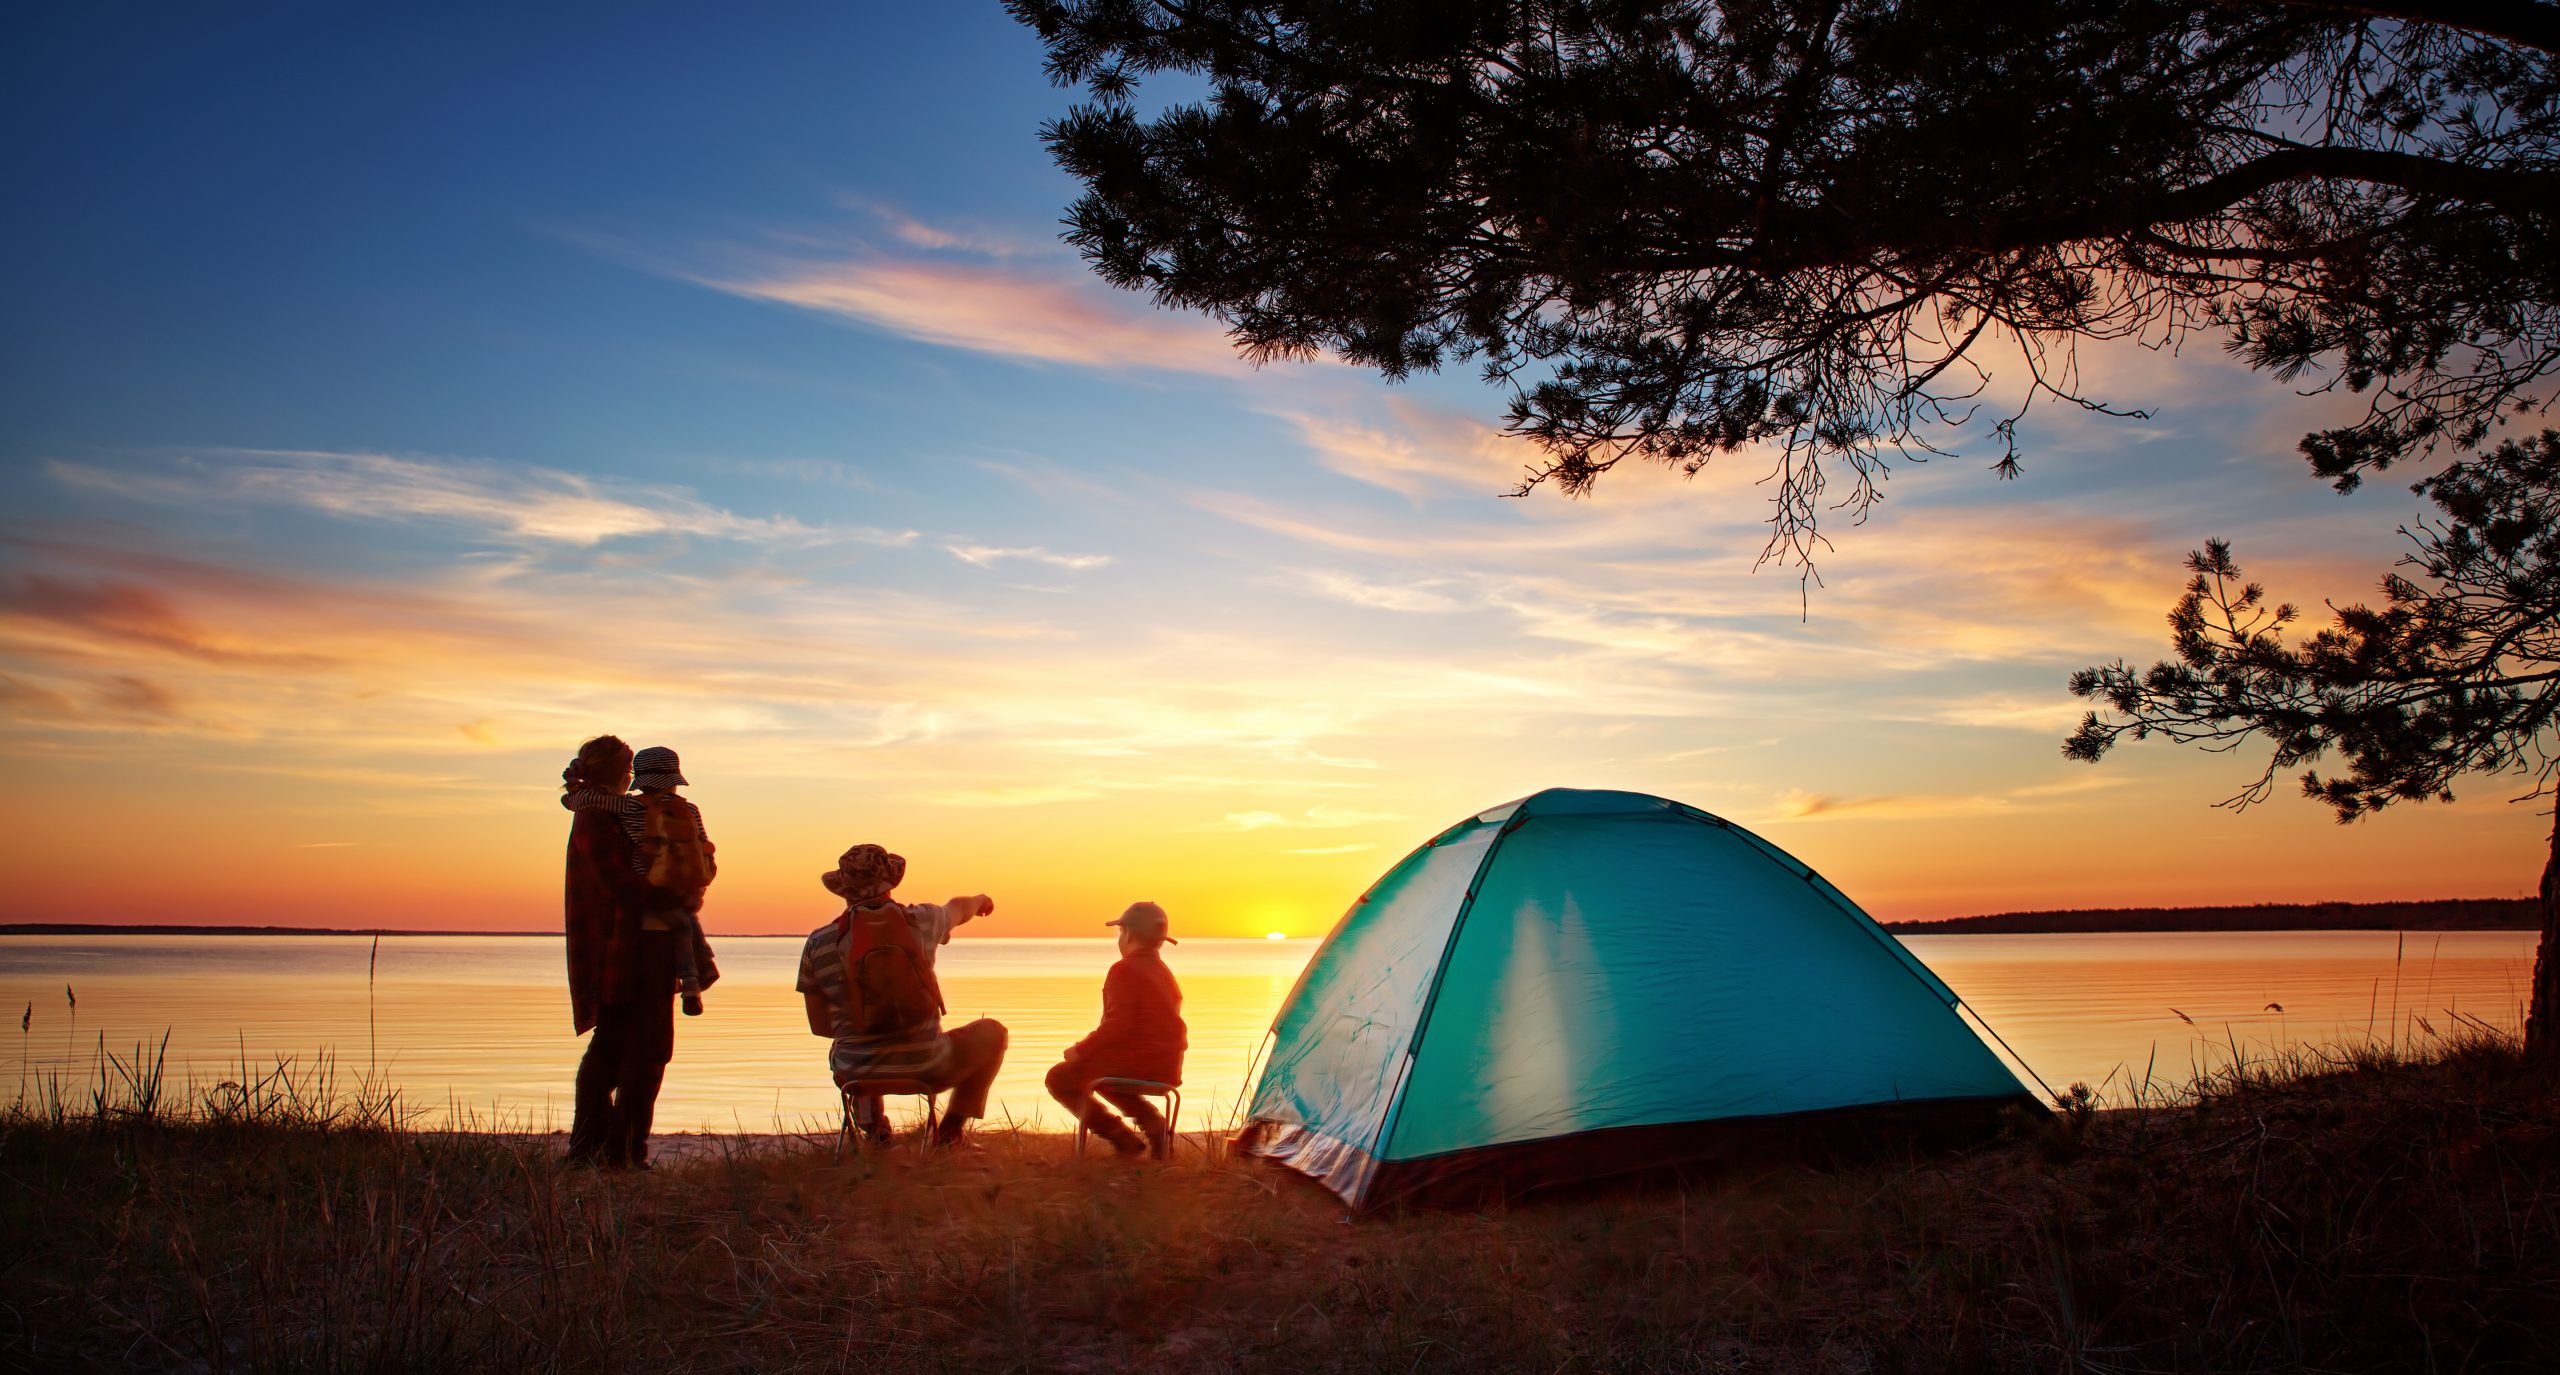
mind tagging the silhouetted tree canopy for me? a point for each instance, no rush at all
(2458, 672)
(1674, 229)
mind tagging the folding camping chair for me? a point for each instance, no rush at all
(849, 1135)
(1144, 1088)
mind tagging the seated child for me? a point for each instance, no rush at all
(673, 851)
(1141, 1037)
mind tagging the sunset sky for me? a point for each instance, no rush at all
(388, 402)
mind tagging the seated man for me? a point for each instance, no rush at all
(1141, 1037)
(867, 978)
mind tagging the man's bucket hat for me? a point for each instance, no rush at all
(865, 872)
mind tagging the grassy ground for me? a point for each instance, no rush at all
(2359, 1213)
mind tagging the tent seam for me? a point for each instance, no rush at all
(1431, 997)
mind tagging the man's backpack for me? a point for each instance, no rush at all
(887, 980)
(671, 838)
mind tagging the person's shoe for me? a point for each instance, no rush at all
(1159, 1141)
(1114, 1132)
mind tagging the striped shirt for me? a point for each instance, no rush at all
(853, 1056)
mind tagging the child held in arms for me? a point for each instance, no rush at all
(1141, 1037)
(672, 850)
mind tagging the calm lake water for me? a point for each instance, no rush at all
(475, 1030)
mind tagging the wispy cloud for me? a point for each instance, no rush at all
(973, 238)
(1057, 482)
(984, 291)
(824, 472)
(1801, 805)
(83, 616)
(988, 556)
(1335, 849)
(793, 677)
(111, 702)
(1426, 595)
(1662, 573)
(1704, 751)
(1030, 795)
(1057, 316)
(519, 504)
(1313, 819)
(1423, 453)
(1797, 804)
(2051, 715)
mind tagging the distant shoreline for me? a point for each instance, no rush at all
(2446, 914)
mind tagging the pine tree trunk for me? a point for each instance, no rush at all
(2542, 1021)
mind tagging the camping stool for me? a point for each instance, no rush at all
(848, 1137)
(1144, 1088)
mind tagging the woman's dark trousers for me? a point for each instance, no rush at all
(626, 1061)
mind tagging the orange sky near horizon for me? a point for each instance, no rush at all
(1058, 875)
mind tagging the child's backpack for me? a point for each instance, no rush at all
(671, 839)
(890, 986)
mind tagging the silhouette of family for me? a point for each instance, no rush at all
(640, 861)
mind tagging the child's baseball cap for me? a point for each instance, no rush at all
(1146, 919)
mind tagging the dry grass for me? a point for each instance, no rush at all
(2361, 1212)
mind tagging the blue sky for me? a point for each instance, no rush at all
(394, 397)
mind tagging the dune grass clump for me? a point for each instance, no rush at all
(134, 1089)
(2350, 1210)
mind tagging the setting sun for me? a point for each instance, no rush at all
(1276, 936)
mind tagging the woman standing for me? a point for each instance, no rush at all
(609, 987)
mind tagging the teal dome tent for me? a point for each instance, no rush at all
(1580, 983)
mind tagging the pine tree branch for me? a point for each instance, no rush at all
(2522, 22)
